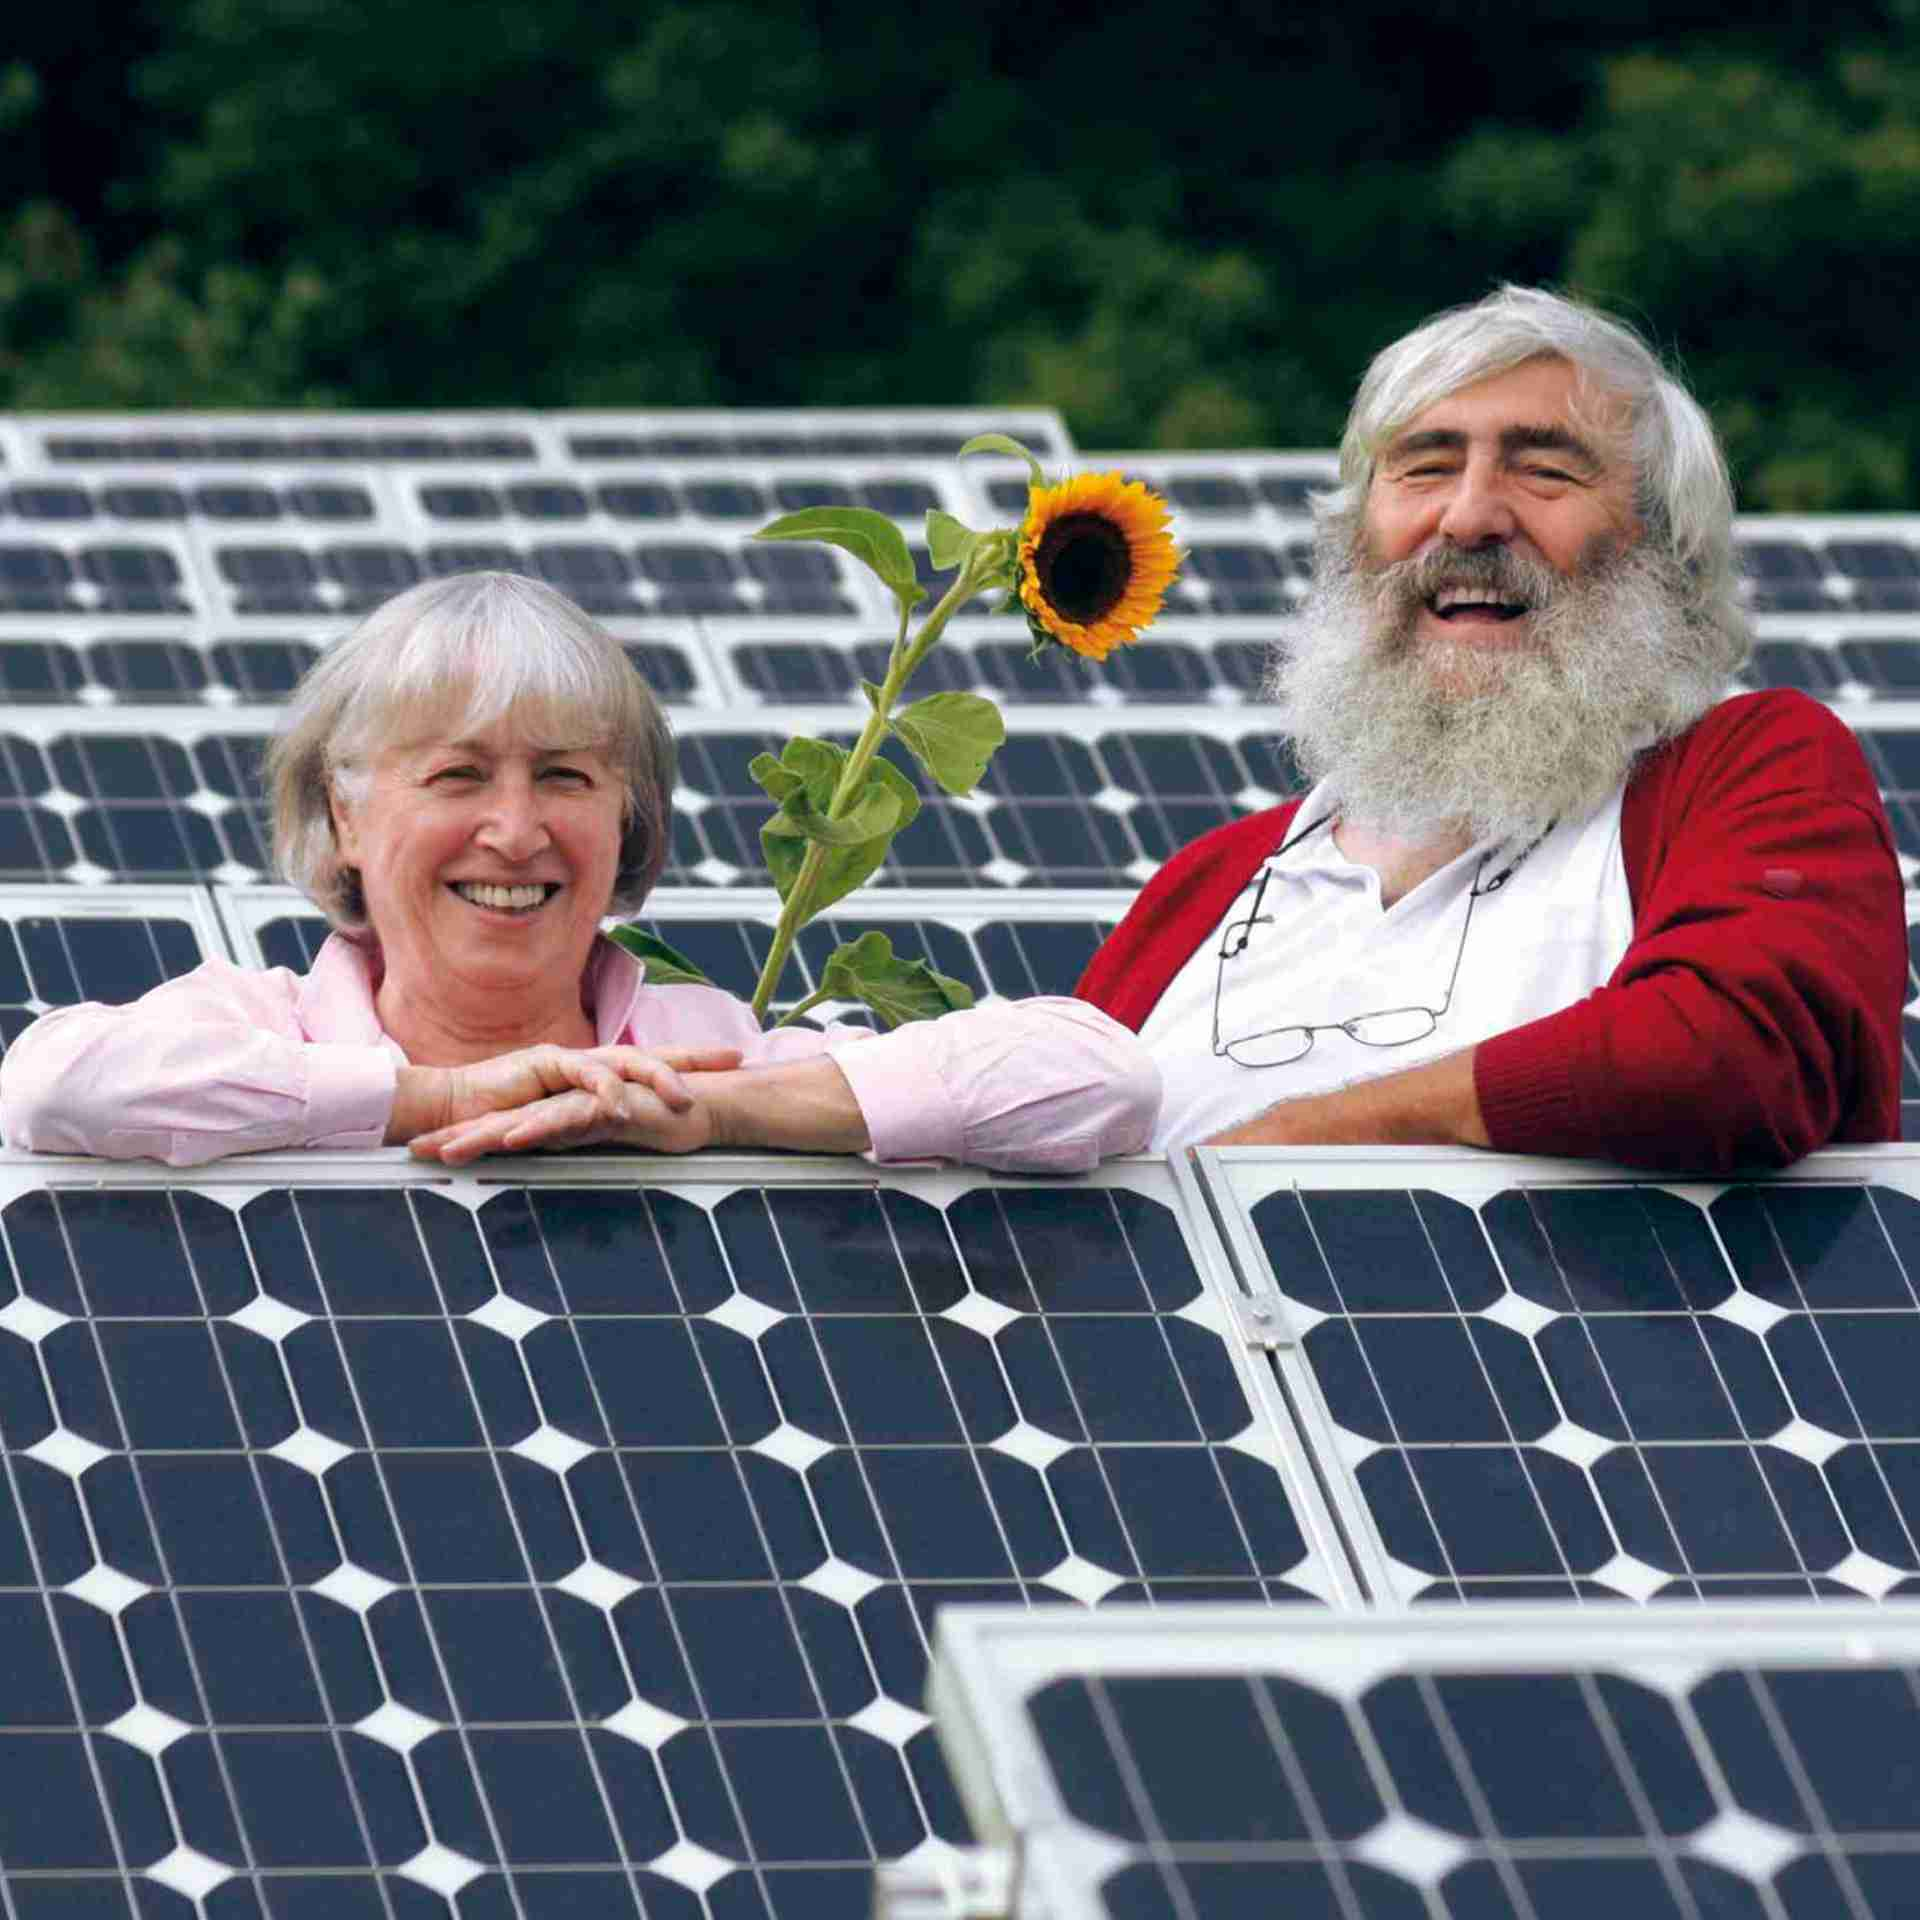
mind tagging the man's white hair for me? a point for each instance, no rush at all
(1682, 492)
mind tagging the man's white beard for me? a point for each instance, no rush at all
(1417, 737)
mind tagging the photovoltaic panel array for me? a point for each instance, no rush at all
(567, 1548)
(1524, 1764)
(1015, 949)
(1541, 1386)
(168, 800)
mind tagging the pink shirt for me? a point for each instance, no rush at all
(231, 1060)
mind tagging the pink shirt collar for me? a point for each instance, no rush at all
(336, 999)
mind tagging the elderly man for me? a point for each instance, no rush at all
(1551, 892)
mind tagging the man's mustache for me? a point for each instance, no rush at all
(1501, 573)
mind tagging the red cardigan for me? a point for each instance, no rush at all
(1756, 1012)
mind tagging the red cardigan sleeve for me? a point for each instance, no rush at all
(1756, 1013)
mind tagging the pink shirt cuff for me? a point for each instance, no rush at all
(350, 1093)
(901, 1099)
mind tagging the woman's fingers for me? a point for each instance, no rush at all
(618, 1110)
(661, 1067)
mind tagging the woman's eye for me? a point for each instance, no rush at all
(457, 773)
(577, 776)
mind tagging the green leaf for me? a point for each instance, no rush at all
(777, 779)
(873, 694)
(870, 537)
(875, 809)
(897, 990)
(845, 867)
(1005, 443)
(666, 966)
(952, 735)
(805, 765)
(948, 540)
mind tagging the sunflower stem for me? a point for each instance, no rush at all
(800, 1007)
(798, 907)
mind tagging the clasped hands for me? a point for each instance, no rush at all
(551, 1097)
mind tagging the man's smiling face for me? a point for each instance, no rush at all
(1525, 471)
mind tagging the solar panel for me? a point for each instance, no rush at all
(1536, 1383)
(1727, 1763)
(568, 1547)
(1193, 662)
(60, 945)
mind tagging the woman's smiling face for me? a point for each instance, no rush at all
(486, 863)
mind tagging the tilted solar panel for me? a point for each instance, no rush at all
(60, 945)
(1534, 1382)
(568, 1547)
(1520, 1763)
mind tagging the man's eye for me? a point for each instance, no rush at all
(457, 773)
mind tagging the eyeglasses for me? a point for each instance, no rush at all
(1389, 1026)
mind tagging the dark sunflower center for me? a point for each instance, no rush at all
(1083, 562)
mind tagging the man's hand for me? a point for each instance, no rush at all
(1430, 1105)
(436, 1101)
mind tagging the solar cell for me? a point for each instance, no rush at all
(578, 1552)
(1794, 663)
(1590, 1388)
(1887, 665)
(1742, 1763)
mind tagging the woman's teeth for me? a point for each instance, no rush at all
(513, 899)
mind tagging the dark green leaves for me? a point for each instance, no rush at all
(803, 781)
(897, 990)
(952, 735)
(870, 537)
(666, 966)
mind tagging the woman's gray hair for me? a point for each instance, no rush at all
(450, 659)
(1682, 491)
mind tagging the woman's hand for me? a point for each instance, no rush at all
(797, 1104)
(433, 1103)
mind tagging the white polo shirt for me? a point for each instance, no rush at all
(1325, 950)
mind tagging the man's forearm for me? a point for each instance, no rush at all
(1430, 1105)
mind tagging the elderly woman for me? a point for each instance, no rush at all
(466, 784)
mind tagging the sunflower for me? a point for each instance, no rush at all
(1095, 561)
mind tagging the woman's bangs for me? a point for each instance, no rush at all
(504, 665)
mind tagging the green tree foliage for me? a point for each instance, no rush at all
(1184, 226)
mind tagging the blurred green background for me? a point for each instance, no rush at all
(1185, 226)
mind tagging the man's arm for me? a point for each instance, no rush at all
(1431, 1105)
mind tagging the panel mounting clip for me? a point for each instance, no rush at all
(1259, 1318)
(957, 1883)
